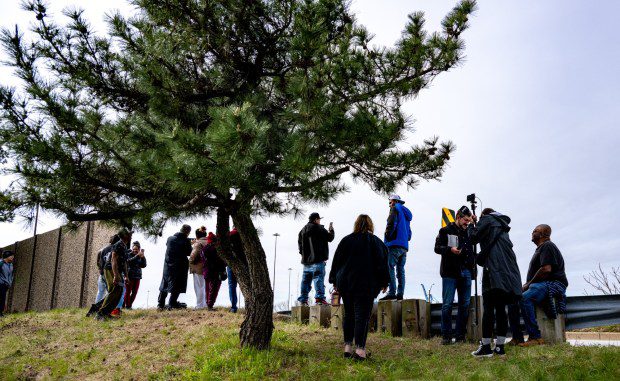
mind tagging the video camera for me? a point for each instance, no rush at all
(471, 198)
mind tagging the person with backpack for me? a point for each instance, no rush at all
(214, 270)
(135, 264)
(501, 279)
(6, 277)
(396, 238)
(115, 265)
(101, 254)
(196, 268)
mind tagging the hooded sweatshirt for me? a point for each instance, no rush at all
(6, 273)
(398, 229)
(501, 271)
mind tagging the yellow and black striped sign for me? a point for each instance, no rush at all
(447, 216)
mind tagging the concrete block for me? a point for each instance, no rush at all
(474, 332)
(43, 271)
(553, 331)
(424, 319)
(300, 314)
(321, 315)
(390, 317)
(410, 319)
(337, 316)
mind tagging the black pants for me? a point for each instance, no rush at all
(161, 300)
(514, 317)
(357, 310)
(494, 303)
(3, 290)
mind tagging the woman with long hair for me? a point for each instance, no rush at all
(359, 271)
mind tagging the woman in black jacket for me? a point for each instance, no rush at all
(359, 271)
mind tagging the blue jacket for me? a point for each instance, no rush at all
(398, 229)
(6, 273)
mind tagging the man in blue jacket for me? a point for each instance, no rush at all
(397, 237)
(6, 277)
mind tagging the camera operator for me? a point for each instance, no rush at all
(457, 269)
(501, 279)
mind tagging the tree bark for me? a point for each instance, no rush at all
(253, 278)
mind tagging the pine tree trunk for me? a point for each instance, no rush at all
(257, 327)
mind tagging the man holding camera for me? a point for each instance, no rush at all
(313, 242)
(457, 269)
(396, 238)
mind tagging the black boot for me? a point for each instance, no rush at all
(161, 300)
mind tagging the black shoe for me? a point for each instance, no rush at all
(304, 304)
(348, 355)
(357, 357)
(91, 311)
(177, 306)
(446, 341)
(233, 310)
(484, 350)
(100, 317)
(399, 297)
(499, 350)
(388, 297)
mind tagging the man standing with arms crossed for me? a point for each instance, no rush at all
(397, 237)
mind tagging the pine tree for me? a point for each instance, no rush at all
(233, 107)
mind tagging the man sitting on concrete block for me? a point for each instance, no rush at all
(546, 280)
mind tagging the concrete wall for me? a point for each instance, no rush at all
(64, 271)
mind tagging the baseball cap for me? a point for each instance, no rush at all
(124, 232)
(314, 216)
(396, 197)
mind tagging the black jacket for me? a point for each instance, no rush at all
(501, 271)
(312, 242)
(135, 264)
(176, 264)
(452, 264)
(360, 265)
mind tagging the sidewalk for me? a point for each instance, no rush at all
(593, 338)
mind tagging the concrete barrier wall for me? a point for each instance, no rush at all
(43, 271)
(64, 271)
(21, 274)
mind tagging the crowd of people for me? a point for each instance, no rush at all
(365, 265)
(120, 272)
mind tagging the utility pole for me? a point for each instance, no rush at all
(275, 255)
(289, 288)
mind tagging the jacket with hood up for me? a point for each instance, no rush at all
(496, 256)
(398, 229)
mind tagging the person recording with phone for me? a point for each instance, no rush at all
(457, 270)
(313, 242)
(135, 264)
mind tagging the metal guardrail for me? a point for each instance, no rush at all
(581, 312)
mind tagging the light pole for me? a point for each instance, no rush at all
(275, 255)
(289, 288)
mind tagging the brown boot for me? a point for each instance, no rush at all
(532, 342)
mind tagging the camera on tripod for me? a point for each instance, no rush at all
(471, 198)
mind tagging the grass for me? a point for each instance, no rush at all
(605, 328)
(201, 345)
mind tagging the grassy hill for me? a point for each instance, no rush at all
(200, 345)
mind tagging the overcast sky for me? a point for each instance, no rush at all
(532, 110)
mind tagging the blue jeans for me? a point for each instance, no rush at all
(449, 286)
(532, 297)
(314, 272)
(232, 288)
(120, 302)
(102, 288)
(397, 256)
